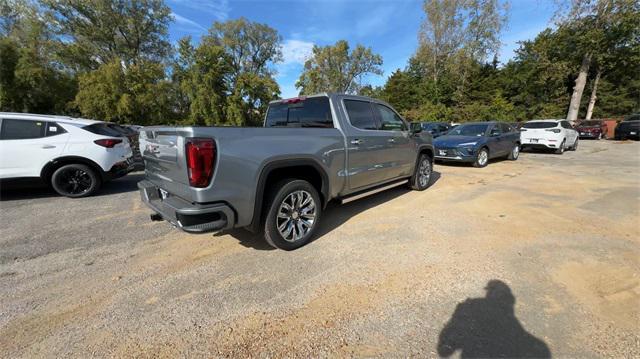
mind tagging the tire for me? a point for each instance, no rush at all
(482, 158)
(561, 149)
(575, 145)
(421, 178)
(285, 229)
(515, 153)
(75, 181)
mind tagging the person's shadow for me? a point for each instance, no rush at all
(488, 328)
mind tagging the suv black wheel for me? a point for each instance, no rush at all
(482, 158)
(421, 178)
(293, 212)
(75, 180)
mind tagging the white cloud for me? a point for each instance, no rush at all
(296, 51)
(218, 8)
(181, 20)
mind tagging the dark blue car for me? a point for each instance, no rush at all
(478, 142)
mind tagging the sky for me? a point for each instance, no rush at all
(389, 27)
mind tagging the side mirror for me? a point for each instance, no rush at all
(415, 128)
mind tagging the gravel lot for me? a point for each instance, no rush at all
(535, 257)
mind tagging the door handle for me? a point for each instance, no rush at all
(391, 140)
(48, 146)
(356, 142)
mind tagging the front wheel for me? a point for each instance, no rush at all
(482, 158)
(75, 180)
(515, 152)
(421, 178)
(561, 149)
(293, 212)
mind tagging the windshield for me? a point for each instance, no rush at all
(590, 123)
(633, 118)
(469, 130)
(540, 125)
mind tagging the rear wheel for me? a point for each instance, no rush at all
(575, 145)
(482, 158)
(293, 212)
(515, 153)
(75, 180)
(421, 178)
(561, 149)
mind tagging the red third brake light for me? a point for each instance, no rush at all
(201, 158)
(107, 142)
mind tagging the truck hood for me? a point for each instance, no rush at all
(448, 141)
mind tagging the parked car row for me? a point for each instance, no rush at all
(276, 179)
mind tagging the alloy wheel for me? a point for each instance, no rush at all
(74, 181)
(483, 157)
(296, 216)
(424, 172)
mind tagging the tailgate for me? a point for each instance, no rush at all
(165, 166)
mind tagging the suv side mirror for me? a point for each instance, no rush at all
(415, 127)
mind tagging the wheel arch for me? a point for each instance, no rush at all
(51, 166)
(303, 168)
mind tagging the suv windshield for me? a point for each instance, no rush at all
(311, 112)
(540, 124)
(469, 130)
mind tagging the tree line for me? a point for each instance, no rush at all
(112, 60)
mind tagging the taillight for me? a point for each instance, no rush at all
(107, 142)
(201, 158)
(555, 130)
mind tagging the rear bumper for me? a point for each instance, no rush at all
(542, 143)
(627, 134)
(190, 217)
(119, 169)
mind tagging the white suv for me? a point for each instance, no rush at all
(74, 156)
(558, 135)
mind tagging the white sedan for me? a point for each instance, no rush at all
(558, 135)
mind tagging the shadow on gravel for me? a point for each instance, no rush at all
(34, 189)
(488, 328)
(332, 217)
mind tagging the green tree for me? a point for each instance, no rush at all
(135, 94)
(336, 69)
(102, 30)
(32, 79)
(251, 50)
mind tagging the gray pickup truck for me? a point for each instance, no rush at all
(279, 178)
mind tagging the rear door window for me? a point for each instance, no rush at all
(361, 114)
(389, 120)
(53, 129)
(311, 112)
(102, 129)
(21, 129)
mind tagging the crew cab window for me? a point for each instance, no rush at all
(21, 129)
(389, 120)
(310, 112)
(361, 114)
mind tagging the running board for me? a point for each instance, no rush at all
(372, 191)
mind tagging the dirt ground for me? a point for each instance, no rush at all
(536, 257)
